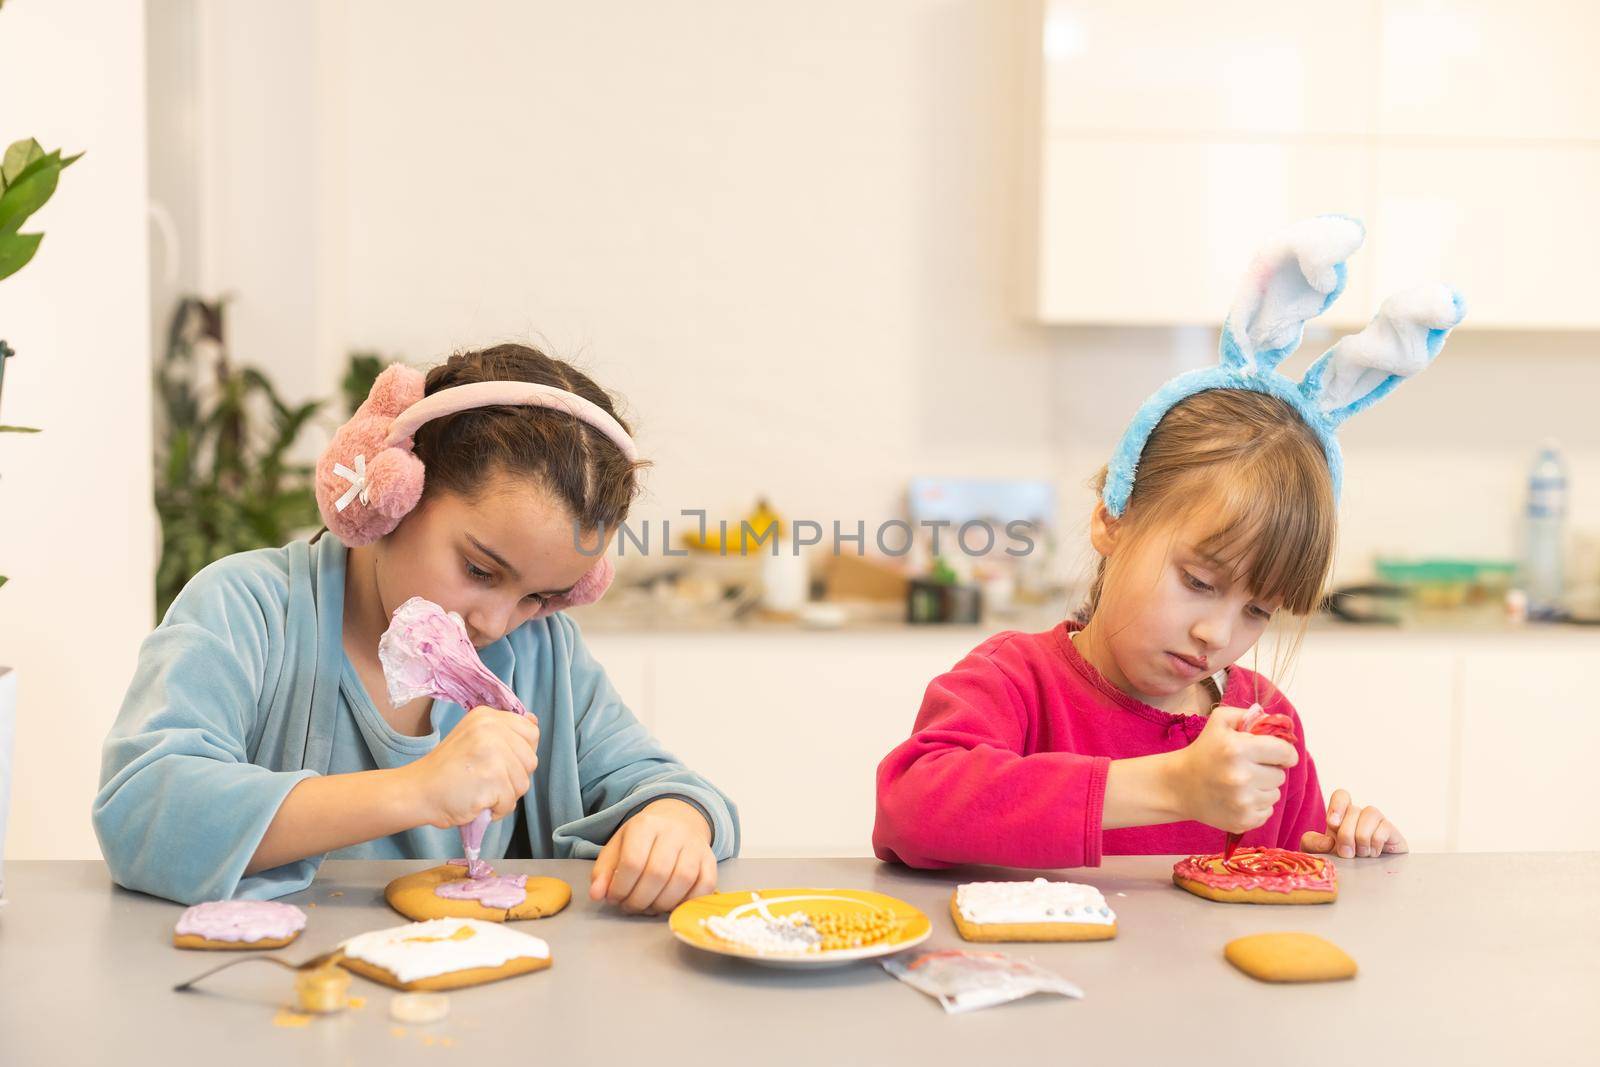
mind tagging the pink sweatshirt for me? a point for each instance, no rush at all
(1007, 764)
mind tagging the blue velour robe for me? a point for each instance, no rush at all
(244, 690)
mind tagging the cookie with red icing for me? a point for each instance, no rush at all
(1259, 876)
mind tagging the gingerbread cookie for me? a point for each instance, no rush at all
(1259, 876)
(444, 954)
(446, 892)
(238, 924)
(1039, 910)
(1290, 957)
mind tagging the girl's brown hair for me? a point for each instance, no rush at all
(1257, 473)
(574, 461)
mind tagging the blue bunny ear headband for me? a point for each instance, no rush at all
(1294, 279)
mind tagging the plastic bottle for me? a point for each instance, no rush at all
(1544, 533)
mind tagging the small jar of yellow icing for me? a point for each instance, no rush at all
(323, 990)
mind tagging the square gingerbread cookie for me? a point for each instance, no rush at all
(1290, 957)
(1040, 910)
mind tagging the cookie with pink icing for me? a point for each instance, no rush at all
(449, 891)
(238, 924)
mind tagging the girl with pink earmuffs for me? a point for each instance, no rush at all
(257, 738)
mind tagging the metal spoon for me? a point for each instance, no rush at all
(308, 965)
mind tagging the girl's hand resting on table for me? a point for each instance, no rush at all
(486, 761)
(1231, 779)
(1354, 831)
(656, 860)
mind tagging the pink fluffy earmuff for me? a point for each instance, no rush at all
(368, 478)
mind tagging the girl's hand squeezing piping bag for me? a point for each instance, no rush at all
(1260, 723)
(426, 652)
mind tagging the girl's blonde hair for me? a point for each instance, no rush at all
(1257, 474)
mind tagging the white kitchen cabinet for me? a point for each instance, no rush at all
(1513, 227)
(1473, 69)
(1227, 67)
(1469, 741)
(794, 730)
(1379, 722)
(1530, 728)
(1175, 138)
(1152, 231)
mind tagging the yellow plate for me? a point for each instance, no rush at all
(911, 926)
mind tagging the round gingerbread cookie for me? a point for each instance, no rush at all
(445, 892)
(238, 924)
(1259, 876)
(444, 954)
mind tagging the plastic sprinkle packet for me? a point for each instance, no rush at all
(963, 980)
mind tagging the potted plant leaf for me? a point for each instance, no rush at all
(28, 176)
(224, 479)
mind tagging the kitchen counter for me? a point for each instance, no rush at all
(668, 621)
(1464, 959)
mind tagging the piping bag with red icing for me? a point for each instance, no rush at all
(426, 652)
(1259, 722)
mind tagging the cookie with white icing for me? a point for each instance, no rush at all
(1040, 910)
(444, 954)
(498, 898)
(238, 924)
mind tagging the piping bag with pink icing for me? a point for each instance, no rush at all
(1257, 721)
(426, 652)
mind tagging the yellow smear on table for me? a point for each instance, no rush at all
(358, 1002)
(292, 1019)
(461, 934)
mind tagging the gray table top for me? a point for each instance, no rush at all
(1464, 958)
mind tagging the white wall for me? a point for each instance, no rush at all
(785, 232)
(76, 521)
(176, 128)
(794, 236)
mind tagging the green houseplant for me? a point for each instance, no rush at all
(224, 481)
(28, 177)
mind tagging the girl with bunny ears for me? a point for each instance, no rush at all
(1123, 731)
(257, 738)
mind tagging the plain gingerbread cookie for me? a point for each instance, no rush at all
(1289, 957)
(413, 896)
